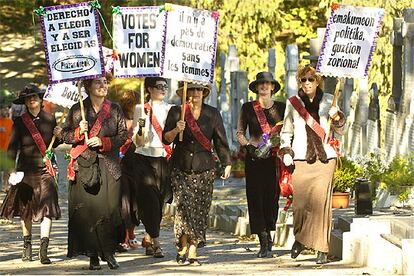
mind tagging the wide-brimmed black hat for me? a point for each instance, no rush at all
(29, 90)
(191, 85)
(264, 77)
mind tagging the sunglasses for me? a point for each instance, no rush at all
(161, 86)
(310, 79)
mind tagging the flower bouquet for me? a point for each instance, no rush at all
(269, 142)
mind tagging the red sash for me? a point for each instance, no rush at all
(313, 124)
(37, 137)
(158, 128)
(264, 125)
(310, 121)
(125, 147)
(76, 151)
(195, 129)
(261, 117)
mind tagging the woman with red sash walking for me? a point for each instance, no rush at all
(262, 188)
(129, 207)
(34, 197)
(306, 120)
(193, 167)
(94, 172)
(151, 168)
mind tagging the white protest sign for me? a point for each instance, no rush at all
(349, 41)
(64, 94)
(108, 59)
(137, 35)
(190, 44)
(72, 42)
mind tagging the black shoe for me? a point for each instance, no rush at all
(158, 252)
(94, 263)
(112, 263)
(27, 249)
(44, 244)
(269, 242)
(263, 252)
(322, 258)
(194, 262)
(182, 259)
(296, 249)
(120, 249)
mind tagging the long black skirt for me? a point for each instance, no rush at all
(153, 184)
(262, 191)
(94, 216)
(32, 199)
(129, 206)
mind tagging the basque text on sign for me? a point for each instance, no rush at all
(349, 41)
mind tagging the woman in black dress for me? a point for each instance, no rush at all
(262, 188)
(35, 197)
(193, 167)
(94, 172)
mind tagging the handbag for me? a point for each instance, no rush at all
(88, 171)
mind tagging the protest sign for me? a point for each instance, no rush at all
(349, 41)
(109, 59)
(64, 94)
(137, 36)
(72, 42)
(190, 44)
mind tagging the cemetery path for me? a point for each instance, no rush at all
(224, 253)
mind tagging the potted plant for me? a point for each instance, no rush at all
(344, 180)
(398, 178)
(237, 165)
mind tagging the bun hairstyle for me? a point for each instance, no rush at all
(127, 102)
(150, 82)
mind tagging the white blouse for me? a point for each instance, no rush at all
(153, 145)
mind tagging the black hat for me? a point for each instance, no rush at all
(191, 85)
(29, 90)
(264, 77)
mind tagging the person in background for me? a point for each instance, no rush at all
(304, 146)
(193, 167)
(152, 171)
(262, 189)
(94, 172)
(34, 197)
(6, 124)
(129, 207)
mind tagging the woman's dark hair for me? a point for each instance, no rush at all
(128, 101)
(87, 83)
(151, 82)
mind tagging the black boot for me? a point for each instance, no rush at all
(269, 241)
(322, 258)
(44, 243)
(296, 249)
(263, 252)
(112, 263)
(27, 248)
(94, 263)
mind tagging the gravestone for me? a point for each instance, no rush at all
(291, 67)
